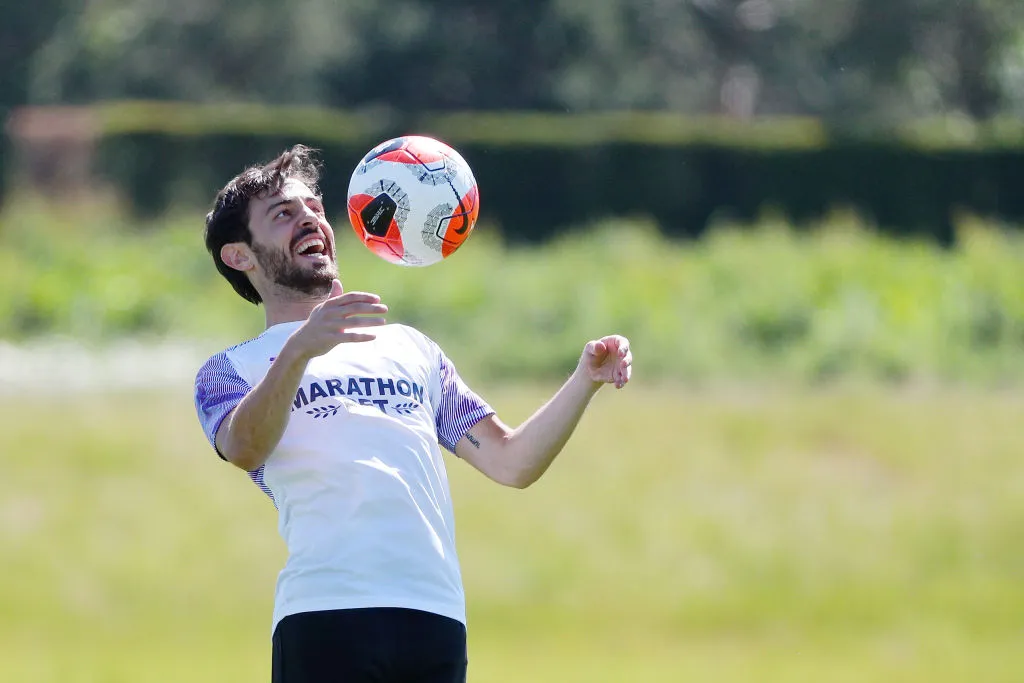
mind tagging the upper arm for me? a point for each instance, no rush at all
(221, 435)
(467, 426)
(219, 389)
(482, 446)
(458, 407)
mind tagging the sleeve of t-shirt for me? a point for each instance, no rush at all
(458, 407)
(219, 389)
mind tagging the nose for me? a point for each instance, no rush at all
(309, 217)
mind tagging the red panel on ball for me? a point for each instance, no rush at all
(356, 203)
(399, 156)
(388, 247)
(462, 222)
(426, 151)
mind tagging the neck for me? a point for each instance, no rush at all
(288, 312)
(285, 306)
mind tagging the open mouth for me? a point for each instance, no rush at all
(312, 247)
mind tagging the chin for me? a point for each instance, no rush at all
(319, 271)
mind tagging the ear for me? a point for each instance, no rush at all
(238, 255)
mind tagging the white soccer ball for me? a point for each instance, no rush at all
(413, 200)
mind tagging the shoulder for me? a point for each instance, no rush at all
(408, 335)
(228, 362)
(218, 373)
(259, 350)
(216, 364)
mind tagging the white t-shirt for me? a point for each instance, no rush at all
(358, 477)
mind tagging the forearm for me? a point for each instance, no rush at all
(255, 426)
(531, 448)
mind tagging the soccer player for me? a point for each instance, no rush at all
(340, 418)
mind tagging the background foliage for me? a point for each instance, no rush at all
(765, 301)
(541, 175)
(849, 60)
(906, 110)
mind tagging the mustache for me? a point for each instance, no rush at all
(303, 235)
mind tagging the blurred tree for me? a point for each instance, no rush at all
(843, 60)
(255, 50)
(25, 27)
(462, 54)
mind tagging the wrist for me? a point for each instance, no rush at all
(581, 378)
(292, 353)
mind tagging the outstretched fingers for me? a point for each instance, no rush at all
(355, 337)
(363, 309)
(349, 298)
(344, 317)
(362, 321)
(352, 312)
(624, 364)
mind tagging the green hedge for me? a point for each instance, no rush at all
(533, 194)
(761, 301)
(530, 128)
(543, 173)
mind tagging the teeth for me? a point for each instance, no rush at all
(303, 247)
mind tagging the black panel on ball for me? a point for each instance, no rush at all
(378, 214)
(384, 149)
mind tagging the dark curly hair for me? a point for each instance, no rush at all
(228, 221)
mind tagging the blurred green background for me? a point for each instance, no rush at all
(807, 218)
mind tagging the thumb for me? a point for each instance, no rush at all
(336, 288)
(595, 348)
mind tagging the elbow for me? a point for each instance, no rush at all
(240, 447)
(520, 480)
(248, 464)
(244, 461)
(521, 473)
(510, 477)
(243, 458)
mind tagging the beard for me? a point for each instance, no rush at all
(285, 273)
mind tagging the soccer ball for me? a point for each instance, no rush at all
(413, 200)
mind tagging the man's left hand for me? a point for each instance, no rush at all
(608, 360)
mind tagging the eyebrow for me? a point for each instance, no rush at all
(277, 204)
(282, 202)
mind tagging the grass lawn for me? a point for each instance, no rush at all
(854, 534)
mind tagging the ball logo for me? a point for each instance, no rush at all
(378, 214)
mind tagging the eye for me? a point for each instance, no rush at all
(283, 213)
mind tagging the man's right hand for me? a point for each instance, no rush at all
(338, 320)
(253, 429)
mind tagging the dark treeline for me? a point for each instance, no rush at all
(843, 60)
(851, 65)
(533, 191)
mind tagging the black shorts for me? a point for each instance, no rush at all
(379, 644)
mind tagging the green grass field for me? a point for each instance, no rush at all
(849, 534)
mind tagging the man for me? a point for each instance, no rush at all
(339, 418)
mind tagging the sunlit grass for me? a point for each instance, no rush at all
(732, 535)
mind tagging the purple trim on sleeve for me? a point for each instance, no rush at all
(219, 388)
(257, 477)
(458, 407)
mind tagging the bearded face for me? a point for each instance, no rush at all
(299, 272)
(291, 248)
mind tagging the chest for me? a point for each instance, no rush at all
(391, 388)
(373, 380)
